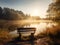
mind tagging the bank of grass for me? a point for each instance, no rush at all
(4, 36)
(52, 34)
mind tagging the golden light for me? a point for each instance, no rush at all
(35, 12)
(38, 12)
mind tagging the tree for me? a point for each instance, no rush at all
(54, 10)
(11, 14)
(1, 12)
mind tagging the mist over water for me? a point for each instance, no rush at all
(40, 27)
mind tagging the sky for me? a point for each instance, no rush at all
(32, 7)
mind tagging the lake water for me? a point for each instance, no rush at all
(40, 27)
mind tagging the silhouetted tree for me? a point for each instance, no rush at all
(11, 14)
(54, 10)
(1, 12)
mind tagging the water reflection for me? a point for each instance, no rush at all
(40, 27)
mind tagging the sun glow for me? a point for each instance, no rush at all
(37, 12)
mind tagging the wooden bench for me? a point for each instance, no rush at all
(26, 30)
(29, 30)
(20, 30)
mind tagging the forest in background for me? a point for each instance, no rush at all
(11, 14)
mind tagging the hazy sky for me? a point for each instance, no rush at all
(27, 6)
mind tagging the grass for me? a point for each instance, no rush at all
(4, 36)
(53, 35)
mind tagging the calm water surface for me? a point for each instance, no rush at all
(40, 27)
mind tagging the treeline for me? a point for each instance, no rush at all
(11, 14)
